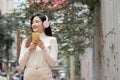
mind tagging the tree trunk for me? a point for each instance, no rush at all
(97, 44)
(72, 67)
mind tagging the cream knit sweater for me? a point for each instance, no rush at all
(39, 62)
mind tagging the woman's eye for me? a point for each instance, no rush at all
(37, 21)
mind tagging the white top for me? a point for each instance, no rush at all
(39, 59)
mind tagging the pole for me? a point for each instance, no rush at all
(71, 67)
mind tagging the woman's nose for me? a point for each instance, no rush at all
(33, 24)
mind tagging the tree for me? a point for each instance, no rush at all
(76, 27)
(76, 31)
(6, 40)
(9, 25)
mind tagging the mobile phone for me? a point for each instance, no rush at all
(35, 36)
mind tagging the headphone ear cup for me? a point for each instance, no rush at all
(46, 24)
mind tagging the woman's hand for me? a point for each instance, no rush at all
(32, 46)
(39, 43)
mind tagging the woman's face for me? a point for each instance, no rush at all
(37, 25)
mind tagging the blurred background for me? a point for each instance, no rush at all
(87, 32)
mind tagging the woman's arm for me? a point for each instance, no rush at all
(51, 55)
(24, 54)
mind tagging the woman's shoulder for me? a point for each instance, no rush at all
(52, 38)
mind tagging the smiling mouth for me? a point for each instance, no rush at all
(34, 27)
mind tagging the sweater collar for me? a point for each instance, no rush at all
(42, 35)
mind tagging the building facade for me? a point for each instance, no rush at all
(106, 64)
(6, 6)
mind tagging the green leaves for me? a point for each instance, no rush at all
(9, 25)
(72, 25)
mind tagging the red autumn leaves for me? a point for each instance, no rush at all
(50, 4)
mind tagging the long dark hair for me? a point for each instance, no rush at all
(47, 31)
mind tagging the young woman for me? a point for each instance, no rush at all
(38, 56)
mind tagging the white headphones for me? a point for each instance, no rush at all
(46, 22)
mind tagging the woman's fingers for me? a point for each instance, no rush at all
(39, 43)
(32, 46)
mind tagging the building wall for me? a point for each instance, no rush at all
(110, 58)
(6, 6)
(111, 35)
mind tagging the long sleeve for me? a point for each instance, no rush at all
(52, 52)
(24, 54)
